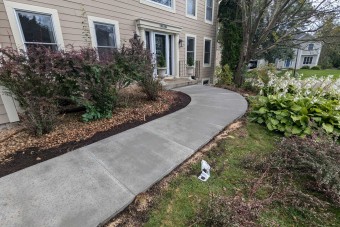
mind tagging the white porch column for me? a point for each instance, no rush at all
(142, 36)
(176, 55)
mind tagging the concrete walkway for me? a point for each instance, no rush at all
(88, 186)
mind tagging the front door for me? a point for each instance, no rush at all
(161, 45)
(161, 50)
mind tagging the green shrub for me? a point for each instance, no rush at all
(30, 77)
(40, 115)
(42, 80)
(190, 61)
(224, 75)
(143, 69)
(262, 73)
(296, 106)
(296, 116)
(305, 67)
(151, 87)
(99, 92)
(161, 63)
(317, 67)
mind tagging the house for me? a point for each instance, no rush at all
(307, 54)
(176, 29)
(253, 64)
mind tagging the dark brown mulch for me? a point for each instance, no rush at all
(31, 156)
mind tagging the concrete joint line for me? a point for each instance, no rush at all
(114, 179)
(166, 138)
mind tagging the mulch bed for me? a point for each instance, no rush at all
(19, 150)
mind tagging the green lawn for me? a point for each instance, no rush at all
(319, 73)
(178, 204)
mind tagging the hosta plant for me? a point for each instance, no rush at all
(295, 106)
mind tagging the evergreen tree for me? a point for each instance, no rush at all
(230, 32)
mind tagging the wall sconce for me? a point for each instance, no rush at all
(180, 42)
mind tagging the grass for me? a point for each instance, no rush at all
(178, 204)
(319, 73)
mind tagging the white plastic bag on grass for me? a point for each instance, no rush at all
(205, 168)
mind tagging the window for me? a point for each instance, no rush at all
(307, 60)
(37, 29)
(207, 52)
(106, 40)
(34, 25)
(191, 48)
(288, 63)
(209, 5)
(147, 39)
(167, 5)
(191, 9)
(163, 2)
(104, 35)
(205, 81)
(310, 47)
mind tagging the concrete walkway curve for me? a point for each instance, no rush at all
(88, 186)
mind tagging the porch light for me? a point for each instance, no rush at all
(180, 42)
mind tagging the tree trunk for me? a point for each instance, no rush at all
(238, 77)
(238, 73)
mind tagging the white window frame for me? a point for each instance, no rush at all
(157, 5)
(212, 13)
(211, 44)
(186, 10)
(186, 46)
(93, 20)
(12, 7)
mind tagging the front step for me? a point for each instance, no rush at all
(178, 82)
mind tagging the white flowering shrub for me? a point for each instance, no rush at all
(297, 106)
(312, 86)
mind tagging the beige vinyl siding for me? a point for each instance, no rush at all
(125, 12)
(5, 30)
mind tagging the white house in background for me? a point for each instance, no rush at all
(307, 54)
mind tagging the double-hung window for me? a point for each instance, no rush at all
(37, 29)
(34, 25)
(207, 52)
(163, 2)
(167, 5)
(307, 60)
(310, 46)
(191, 49)
(209, 11)
(104, 35)
(106, 38)
(191, 9)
